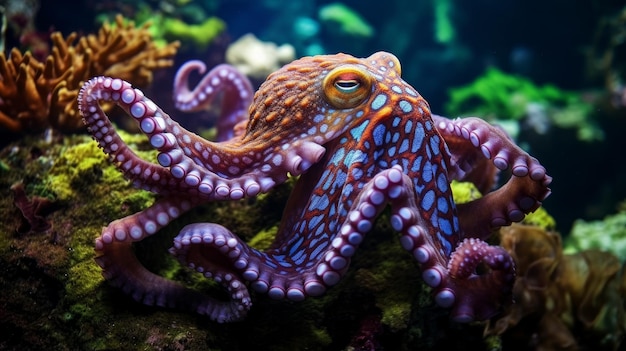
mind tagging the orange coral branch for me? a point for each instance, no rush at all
(36, 95)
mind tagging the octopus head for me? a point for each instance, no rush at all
(320, 97)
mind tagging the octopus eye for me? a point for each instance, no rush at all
(346, 87)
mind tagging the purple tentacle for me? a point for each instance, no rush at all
(471, 141)
(223, 82)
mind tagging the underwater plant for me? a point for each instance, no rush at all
(344, 20)
(499, 96)
(562, 301)
(608, 234)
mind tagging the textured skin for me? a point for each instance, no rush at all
(360, 138)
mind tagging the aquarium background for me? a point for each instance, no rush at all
(552, 73)
(444, 45)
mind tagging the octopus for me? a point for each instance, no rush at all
(359, 139)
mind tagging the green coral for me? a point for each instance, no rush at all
(497, 96)
(464, 192)
(197, 36)
(608, 234)
(345, 20)
(444, 29)
(165, 28)
(540, 218)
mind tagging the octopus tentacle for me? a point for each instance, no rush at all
(223, 81)
(122, 268)
(471, 139)
(144, 174)
(359, 138)
(454, 280)
(213, 250)
(481, 296)
(228, 170)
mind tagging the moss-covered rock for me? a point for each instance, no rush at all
(54, 296)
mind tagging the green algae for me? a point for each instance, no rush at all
(540, 218)
(444, 29)
(464, 192)
(607, 234)
(263, 239)
(195, 33)
(499, 96)
(345, 21)
(198, 36)
(394, 302)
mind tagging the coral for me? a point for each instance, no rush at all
(499, 96)
(36, 95)
(563, 302)
(608, 234)
(257, 59)
(33, 210)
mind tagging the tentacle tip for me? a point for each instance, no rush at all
(547, 180)
(546, 195)
(307, 154)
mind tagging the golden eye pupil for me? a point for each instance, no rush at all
(347, 86)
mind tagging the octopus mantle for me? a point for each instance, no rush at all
(360, 139)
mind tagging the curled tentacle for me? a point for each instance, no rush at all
(472, 140)
(223, 83)
(210, 170)
(481, 277)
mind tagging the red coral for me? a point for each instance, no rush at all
(34, 210)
